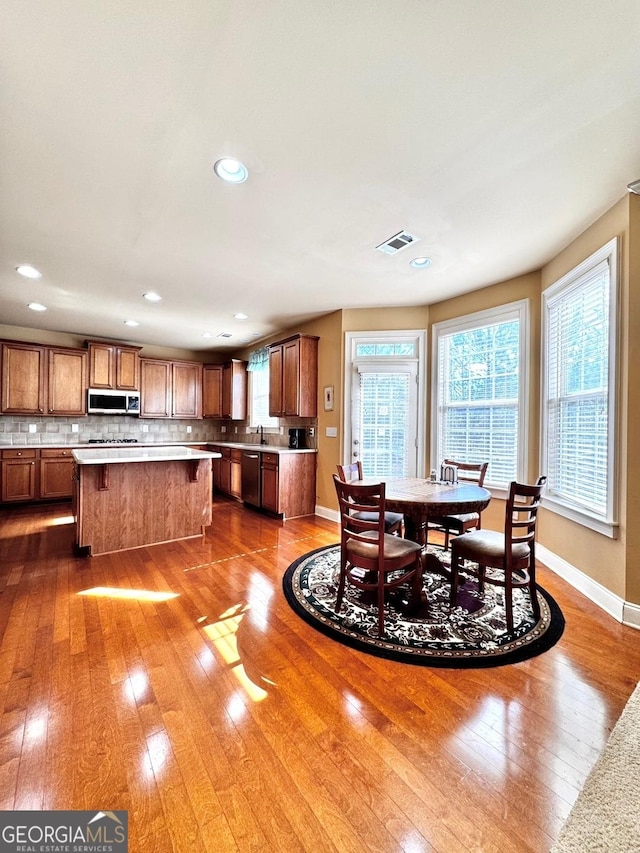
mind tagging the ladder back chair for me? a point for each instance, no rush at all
(394, 521)
(468, 472)
(512, 553)
(371, 559)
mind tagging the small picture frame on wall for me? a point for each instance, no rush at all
(328, 398)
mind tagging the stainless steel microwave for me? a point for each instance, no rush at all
(105, 402)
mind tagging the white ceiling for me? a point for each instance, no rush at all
(494, 131)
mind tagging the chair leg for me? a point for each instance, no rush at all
(454, 579)
(533, 595)
(380, 604)
(341, 583)
(508, 600)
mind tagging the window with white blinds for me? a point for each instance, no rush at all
(579, 362)
(480, 391)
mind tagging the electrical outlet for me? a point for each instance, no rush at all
(223, 429)
(74, 427)
(33, 428)
(144, 427)
(188, 429)
(312, 432)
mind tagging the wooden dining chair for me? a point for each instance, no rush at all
(511, 553)
(370, 558)
(468, 472)
(394, 521)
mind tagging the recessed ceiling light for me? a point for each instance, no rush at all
(28, 271)
(131, 323)
(231, 170)
(37, 306)
(207, 335)
(152, 297)
(420, 263)
(255, 334)
(241, 316)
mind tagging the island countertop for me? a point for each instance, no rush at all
(139, 453)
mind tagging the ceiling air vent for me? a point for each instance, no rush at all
(397, 242)
(225, 335)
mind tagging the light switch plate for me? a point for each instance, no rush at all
(331, 432)
(74, 427)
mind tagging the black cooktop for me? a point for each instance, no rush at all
(112, 441)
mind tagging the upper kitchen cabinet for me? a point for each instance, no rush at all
(170, 389)
(293, 377)
(114, 366)
(225, 390)
(43, 380)
(187, 389)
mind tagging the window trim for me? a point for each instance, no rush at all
(609, 524)
(351, 340)
(488, 317)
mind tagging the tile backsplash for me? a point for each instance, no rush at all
(58, 432)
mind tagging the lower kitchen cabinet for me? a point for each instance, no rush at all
(289, 483)
(56, 474)
(227, 475)
(32, 475)
(19, 475)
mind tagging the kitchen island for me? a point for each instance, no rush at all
(128, 497)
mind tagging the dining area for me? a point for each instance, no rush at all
(417, 576)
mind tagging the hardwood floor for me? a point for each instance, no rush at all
(223, 722)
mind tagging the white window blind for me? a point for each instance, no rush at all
(578, 380)
(384, 414)
(259, 399)
(479, 391)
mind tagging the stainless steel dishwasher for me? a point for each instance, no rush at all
(251, 478)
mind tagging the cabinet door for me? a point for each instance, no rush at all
(276, 402)
(235, 488)
(67, 382)
(212, 391)
(127, 368)
(234, 390)
(24, 379)
(291, 377)
(225, 473)
(155, 388)
(19, 475)
(187, 390)
(270, 486)
(101, 366)
(56, 473)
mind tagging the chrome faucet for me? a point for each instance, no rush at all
(260, 429)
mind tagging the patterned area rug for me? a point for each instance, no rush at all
(473, 634)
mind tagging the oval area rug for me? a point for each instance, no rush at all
(473, 634)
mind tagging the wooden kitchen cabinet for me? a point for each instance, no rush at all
(289, 483)
(225, 390)
(19, 475)
(155, 388)
(114, 366)
(31, 474)
(43, 380)
(170, 389)
(293, 377)
(56, 473)
(235, 486)
(186, 389)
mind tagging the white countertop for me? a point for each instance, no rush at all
(139, 453)
(262, 448)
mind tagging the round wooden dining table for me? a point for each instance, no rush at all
(417, 499)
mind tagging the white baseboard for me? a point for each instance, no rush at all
(329, 514)
(623, 611)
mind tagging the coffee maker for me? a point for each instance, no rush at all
(297, 438)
